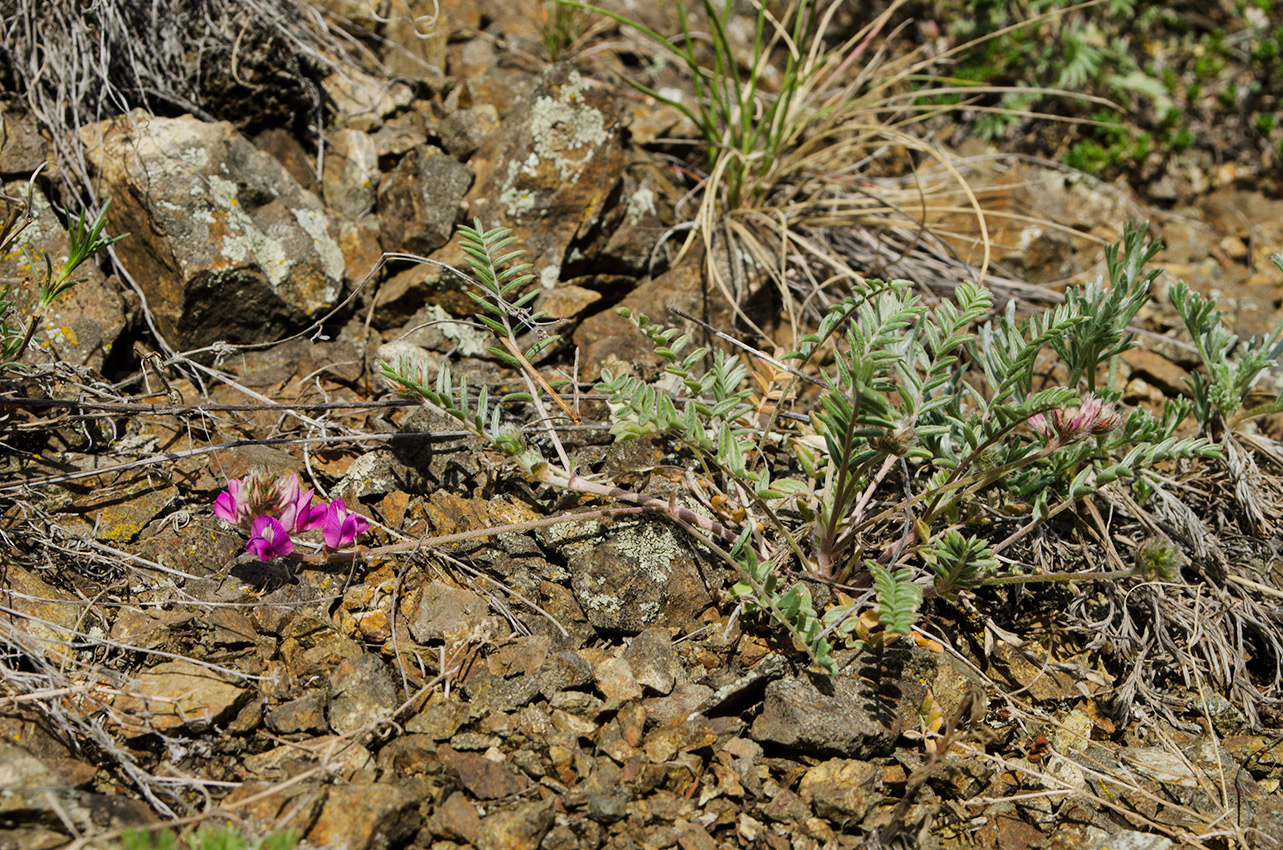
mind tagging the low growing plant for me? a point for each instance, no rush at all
(84, 238)
(1232, 367)
(208, 838)
(926, 453)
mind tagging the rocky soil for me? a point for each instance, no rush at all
(560, 686)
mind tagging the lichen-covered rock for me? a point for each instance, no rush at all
(631, 574)
(224, 244)
(549, 172)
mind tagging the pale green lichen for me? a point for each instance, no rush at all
(244, 241)
(652, 544)
(315, 224)
(641, 203)
(470, 341)
(196, 156)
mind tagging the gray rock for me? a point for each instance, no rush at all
(481, 777)
(605, 794)
(503, 694)
(654, 663)
(419, 201)
(463, 132)
(563, 671)
(849, 719)
(351, 174)
(630, 574)
(441, 610)
(361, 692)
(224, 243)
(1098, 839)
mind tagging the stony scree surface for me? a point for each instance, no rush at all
(581, 685)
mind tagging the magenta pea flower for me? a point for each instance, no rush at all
(231, 504)
(341, 528)
(259, 494)
(268, 539)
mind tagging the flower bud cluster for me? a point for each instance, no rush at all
(1070, 424)
(274, 508)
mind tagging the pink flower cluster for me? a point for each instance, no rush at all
(272, 509)
(1069, 424)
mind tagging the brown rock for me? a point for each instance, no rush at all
(34, 609)
(440, 719)
(1157, 371)
(22, 146)
(654, 663)
(456, 819)
(312, 646)
(697, 733)
(340, 756)
(178, 695)
(840, 789)
(692, 836)
(362, 102)
(616, 682)
(786, 807)
(606, 339)
(305, 714)
(126, 514)
(685, 700)
(519, 828)
(365, 816)
(481, 777)
(419, 201)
